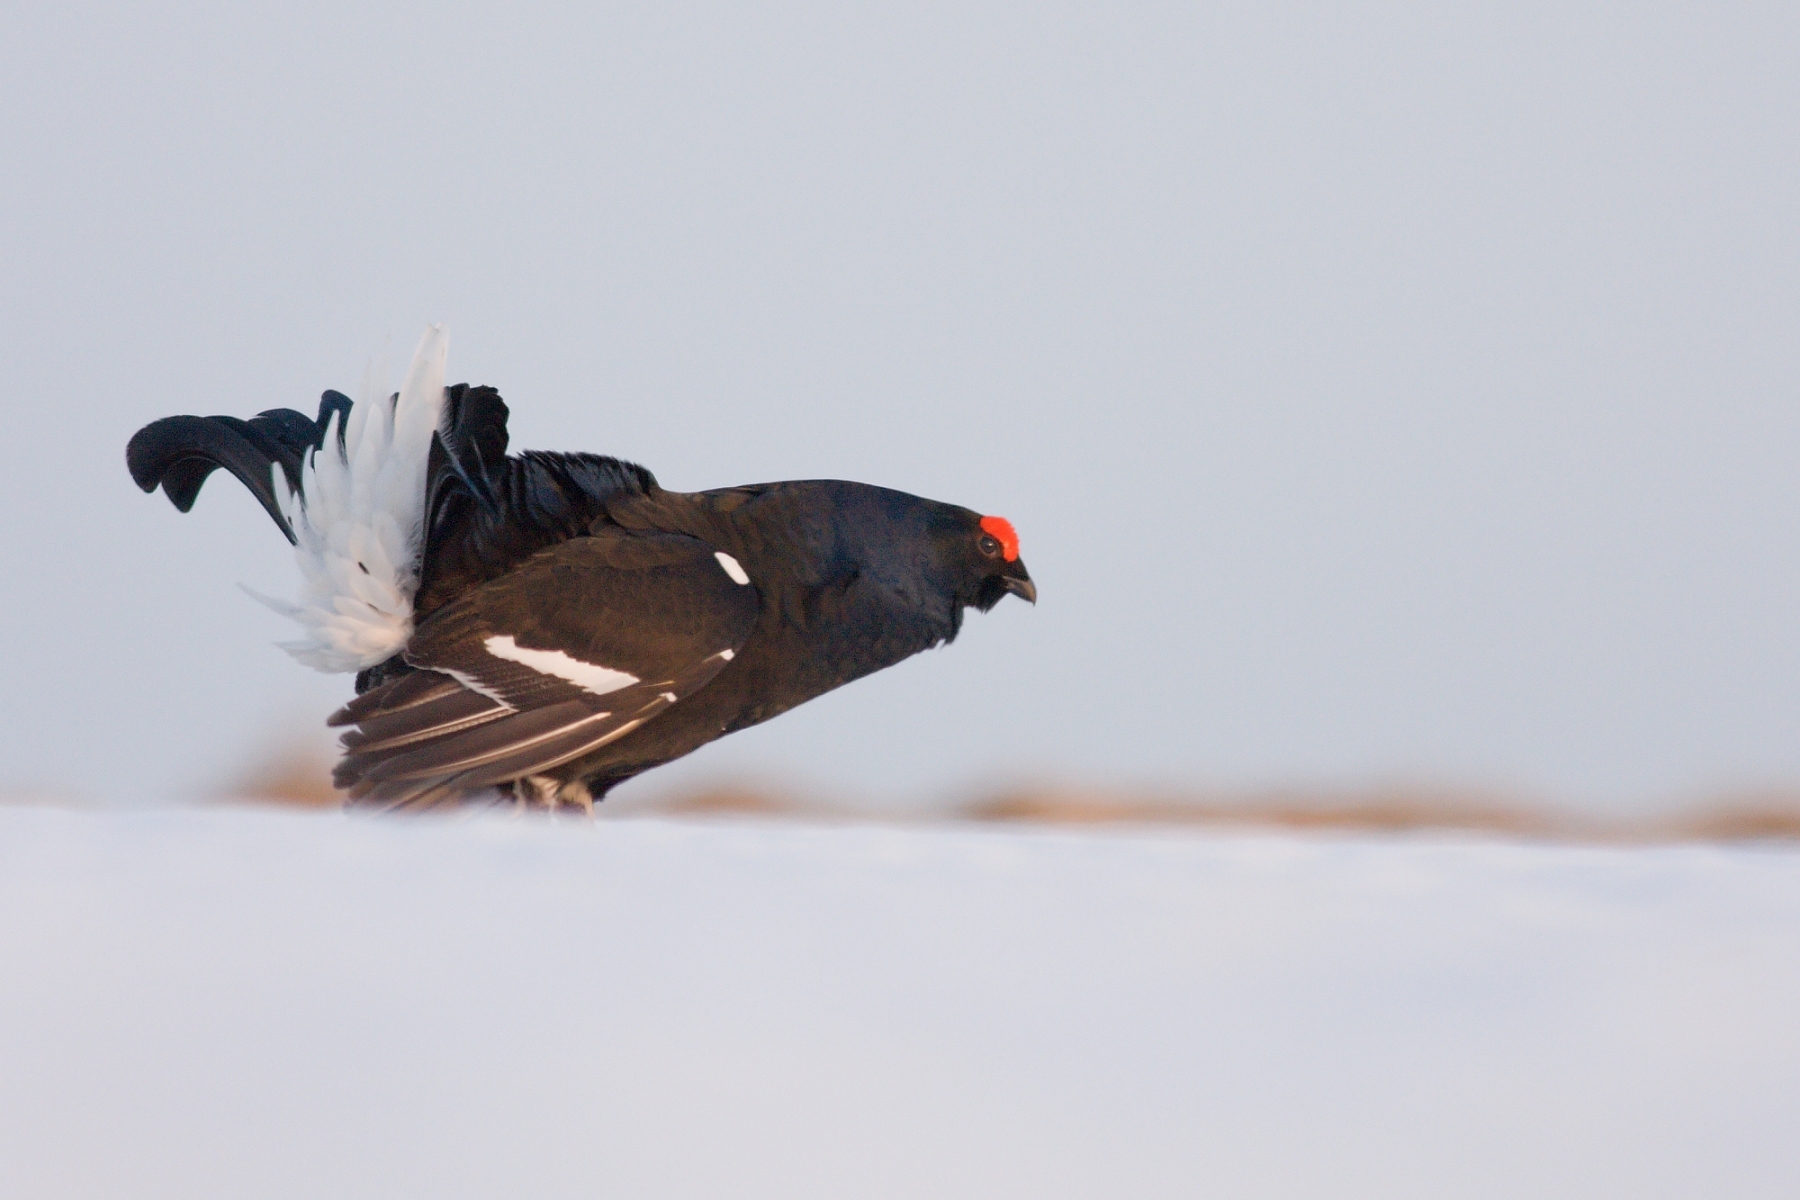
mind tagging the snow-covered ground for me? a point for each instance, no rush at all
(243, 1004)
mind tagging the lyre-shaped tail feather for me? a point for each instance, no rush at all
(179, 453)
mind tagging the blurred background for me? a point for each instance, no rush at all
(1392, 399)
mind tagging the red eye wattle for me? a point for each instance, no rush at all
(1001, 530)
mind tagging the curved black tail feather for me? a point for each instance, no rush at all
(180, 452)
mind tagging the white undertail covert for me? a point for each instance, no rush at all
(359, 519)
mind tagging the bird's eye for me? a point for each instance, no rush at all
(989, 546)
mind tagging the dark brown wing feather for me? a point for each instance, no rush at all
(659, 610)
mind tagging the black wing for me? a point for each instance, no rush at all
(576, 648)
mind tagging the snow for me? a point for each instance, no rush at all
(256, 1003)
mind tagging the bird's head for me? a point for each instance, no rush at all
(917, 557)
(988, 557)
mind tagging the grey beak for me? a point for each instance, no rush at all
(1024, 589)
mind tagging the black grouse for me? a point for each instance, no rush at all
(546, 626)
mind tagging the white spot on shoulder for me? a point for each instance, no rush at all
(587, 676)
(732, 568)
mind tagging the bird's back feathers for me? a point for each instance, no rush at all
(488, 511)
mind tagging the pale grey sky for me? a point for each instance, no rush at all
(1379, 391)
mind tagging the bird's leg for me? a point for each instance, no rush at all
(509, 796)
(575, 794)
(537, 791)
